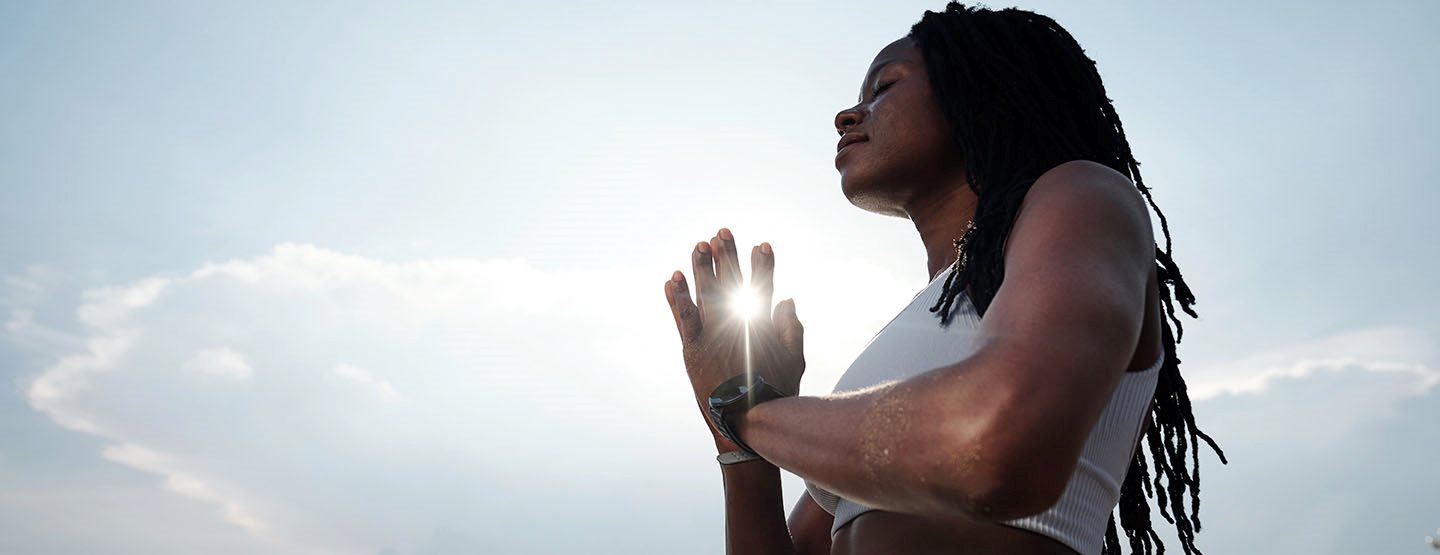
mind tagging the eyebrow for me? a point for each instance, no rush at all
(871, 75)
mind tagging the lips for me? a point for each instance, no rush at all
(849, 139)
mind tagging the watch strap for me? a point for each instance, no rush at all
(735, 396)
(737, 456)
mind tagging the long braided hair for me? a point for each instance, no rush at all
(1020, 97)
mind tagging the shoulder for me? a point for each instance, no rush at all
(1088, 186)
(1081, 199)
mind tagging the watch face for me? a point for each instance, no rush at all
(733, 390)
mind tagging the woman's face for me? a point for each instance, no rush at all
(904, 147)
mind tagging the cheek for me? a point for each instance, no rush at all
(914, 119)
(921, 139)
(926, 126)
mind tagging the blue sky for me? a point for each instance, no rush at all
(372, 278)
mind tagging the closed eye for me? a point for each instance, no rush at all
(881, 89)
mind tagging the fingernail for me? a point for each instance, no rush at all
(765, 248)
(705, 248)
(725, 234)
(677, 277)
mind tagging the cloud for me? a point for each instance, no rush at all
(1337, 458)
(1380, 349)
(184, 484)
(60, 510)
(382, 388)
(1320, 402)
(220, 362)
(418, 406)
(385, 401)
(1327, 441)
(109, 306)
(53, 391)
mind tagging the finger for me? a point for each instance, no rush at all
(687, 315)
(762, 273)
(704, 268)
(727, 263)
(670, 294)
(792, 334)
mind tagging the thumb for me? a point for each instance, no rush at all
(787, 324)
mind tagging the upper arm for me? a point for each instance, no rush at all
(1062, 327)
(810, 527)
(1076, 264)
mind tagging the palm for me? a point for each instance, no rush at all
(719, 341)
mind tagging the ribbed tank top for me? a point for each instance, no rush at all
(914, 342)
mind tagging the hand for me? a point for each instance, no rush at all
(713, 337)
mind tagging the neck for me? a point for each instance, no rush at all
(941, 217)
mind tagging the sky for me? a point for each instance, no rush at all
(384, 278)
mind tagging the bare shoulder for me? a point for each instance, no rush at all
(1085, 195)
(1087, 185)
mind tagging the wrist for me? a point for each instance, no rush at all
(723, 445)
(732, 399)
(740, 423)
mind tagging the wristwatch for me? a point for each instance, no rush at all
(735, 396)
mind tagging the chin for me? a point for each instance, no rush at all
(871, 196)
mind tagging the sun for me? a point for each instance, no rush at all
(745, 303)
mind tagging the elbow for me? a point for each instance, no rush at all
(996, 476)
(998, 494)
(994, 462)
(1009, 494)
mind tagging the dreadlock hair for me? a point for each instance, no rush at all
(1020, 97)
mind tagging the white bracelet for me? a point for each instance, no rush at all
(737, 456)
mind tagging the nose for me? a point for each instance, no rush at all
(848, 119)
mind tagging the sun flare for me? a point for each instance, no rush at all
(745, 303)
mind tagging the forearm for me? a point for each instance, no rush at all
(755, 510)
(895, 447)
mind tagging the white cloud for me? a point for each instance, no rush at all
(1337, 397)
(384, 389)
(486, 371)
(107, 307)
(437, 284)
(1418, 377)
(1380, 349)
(1374, 370)
(384, 401)
(53, 391)
(93, 512)
(220, 363)
(179, 482)
(1335, 458)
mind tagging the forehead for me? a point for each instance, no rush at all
(901, 51)
(902, 48)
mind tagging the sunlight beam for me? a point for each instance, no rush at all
(745, 303)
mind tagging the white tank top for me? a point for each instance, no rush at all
(914, 342)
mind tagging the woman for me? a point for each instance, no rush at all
(1001, 411)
